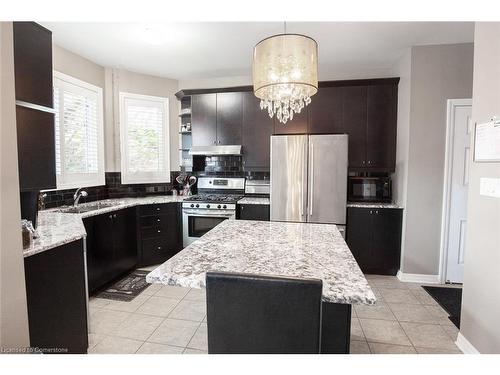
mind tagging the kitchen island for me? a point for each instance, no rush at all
(303, 250)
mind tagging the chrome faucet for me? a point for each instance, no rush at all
(78, 194)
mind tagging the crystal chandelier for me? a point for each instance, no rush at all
(285, 74)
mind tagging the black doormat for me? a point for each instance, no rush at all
(127, 288)
(449, 299)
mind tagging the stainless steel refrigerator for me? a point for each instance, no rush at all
(309, 178)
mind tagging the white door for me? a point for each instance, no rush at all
(460, 130)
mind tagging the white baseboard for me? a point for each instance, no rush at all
(465, 346)
(418, 278)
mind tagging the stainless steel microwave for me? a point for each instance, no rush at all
(369, 189)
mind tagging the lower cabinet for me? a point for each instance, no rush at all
(374, 238)
(158, 232)
(111, 246)
(57, 299)
(253, 212)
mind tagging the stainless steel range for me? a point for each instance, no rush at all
(215, 202)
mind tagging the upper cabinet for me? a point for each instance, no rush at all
(33, 63)
(204, 119)
(229, 118)
(382, 108)
(216, 118)
(256, 134)
(366, 110)
(34, 106)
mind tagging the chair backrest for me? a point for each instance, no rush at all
(257, 314)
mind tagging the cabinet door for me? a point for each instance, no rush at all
(386, 240)
(253, 212)
(354, 123)
(57, 298)
(124, 241)
(35, 149)
(359, 236)
(204, 119)
(299, 124)
(381, 127)
(257, 130)
(229, 118)
(326, 111)
(100, 253)
(33, 63)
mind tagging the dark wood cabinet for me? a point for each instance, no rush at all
(253, 212)
(257, 130)
(354, 123)
(111, 246)
(36, 149)
(33, 63)
(229, 118)
(299, 124)
(57, 299)
(366, 110)
(34, 113)
(204, 119)
(326, 111)
(159, 232)
(381, 126)
(374, 238)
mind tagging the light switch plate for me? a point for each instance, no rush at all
(489, 187)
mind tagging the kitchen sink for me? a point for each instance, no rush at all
(86, 208)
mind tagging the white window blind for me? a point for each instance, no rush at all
(144, 139)
(79, 133)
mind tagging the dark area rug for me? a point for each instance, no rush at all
(449, 299)
(127, 288)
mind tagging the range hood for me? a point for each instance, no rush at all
(215, 150)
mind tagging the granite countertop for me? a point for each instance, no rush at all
(373, 205)
(254, 200)
(271, 248)
(56, 228)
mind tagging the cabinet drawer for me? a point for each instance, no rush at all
(156, 250)
(157, 209)
(153, 220)
(154, 232)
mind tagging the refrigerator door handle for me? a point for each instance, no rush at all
(303, 205)
(311, 176)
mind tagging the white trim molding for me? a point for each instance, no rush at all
(418, 278)
(465, 346)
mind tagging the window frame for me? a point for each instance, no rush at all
(77, 180)
(144, 177)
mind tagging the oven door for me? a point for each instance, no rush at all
(195, 223)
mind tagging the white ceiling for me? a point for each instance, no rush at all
(208, 50)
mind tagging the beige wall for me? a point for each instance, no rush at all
(112, 81)
(438, 73)
(13, 310)
(481, 292)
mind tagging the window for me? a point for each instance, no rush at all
(79, 133)
(144, 139)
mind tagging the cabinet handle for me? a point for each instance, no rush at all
(157, 208)
(110, 216)
(159, 231)
(371, 212)
(369, 161)
(219, 141)
(158, 248)
(158, 220)
(114, 216)
(215, 142)
(376, 212)
(364, 162)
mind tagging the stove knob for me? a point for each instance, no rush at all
(218, 206)
(208, 206)
(197, 205)
(224, 206)
(192, 205)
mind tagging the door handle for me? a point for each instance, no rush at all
(311, 173)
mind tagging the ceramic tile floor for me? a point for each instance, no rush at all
(172, 320)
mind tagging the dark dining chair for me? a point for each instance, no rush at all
(254, 314)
